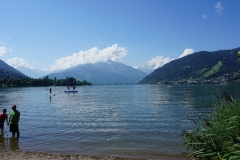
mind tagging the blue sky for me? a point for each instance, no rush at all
(57, 34)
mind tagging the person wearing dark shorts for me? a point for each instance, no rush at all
(14, 120)
(3, 117)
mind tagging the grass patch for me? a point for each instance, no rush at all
(203, 70)
(214, 69)
(217, 136)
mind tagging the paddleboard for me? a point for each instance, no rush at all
(52, 94)
(70, 91)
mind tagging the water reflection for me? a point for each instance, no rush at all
(3, 142)
(9, 143)
(14, 143)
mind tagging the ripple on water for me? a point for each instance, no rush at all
(123, 120)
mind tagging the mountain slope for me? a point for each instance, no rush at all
(200, 65)
(102, 73)
(33, 73)
(9, 71)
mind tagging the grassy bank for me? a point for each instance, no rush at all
(216, 136)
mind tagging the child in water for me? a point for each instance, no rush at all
(3, 116)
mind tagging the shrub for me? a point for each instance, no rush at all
(217, 136)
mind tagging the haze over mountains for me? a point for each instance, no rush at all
(33, 73)
(109, 72)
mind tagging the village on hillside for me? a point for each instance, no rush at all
(226, 78)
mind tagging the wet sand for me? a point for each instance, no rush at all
(25, 155)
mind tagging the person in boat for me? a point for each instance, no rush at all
(68, 87)
(74, 87)
(50, 90)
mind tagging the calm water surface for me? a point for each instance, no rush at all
(119, 120)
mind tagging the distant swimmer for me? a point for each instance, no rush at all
(50, 90)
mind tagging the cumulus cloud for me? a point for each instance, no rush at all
(186, 52)
(3, 50)
(18, 62)
(93, 55)
(153, 64)
(219, 8)
(158, 62)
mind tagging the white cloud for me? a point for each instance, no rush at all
(186, 52)
(158, 62)
(44, 69)
(153, 64)
(205, 16)
(3, 50)
(18, 62)
(93, 55)
(219, 8)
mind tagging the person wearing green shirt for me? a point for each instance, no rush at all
(13, 120)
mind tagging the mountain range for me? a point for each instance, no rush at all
(199, 65)
(109, 72)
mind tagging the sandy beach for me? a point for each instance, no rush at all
(25, 155)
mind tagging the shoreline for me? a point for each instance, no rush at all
(28, 155)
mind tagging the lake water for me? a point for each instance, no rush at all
(143, 121)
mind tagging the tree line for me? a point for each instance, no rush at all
(31, 82)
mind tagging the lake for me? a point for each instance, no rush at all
(142, 121)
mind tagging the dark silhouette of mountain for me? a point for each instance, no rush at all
(102, 73)
(200, 65)
(7, 71)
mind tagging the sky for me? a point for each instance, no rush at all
(57, 34)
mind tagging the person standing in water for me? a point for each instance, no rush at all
(50, 90)
(14, 120)
(3, 116)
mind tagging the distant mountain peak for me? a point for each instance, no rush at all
(109, 72)
(110, 61)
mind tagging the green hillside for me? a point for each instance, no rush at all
(200, 65)
(7, 71)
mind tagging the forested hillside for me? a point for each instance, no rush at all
(31, 82)
(200, 65)
(7, 71)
